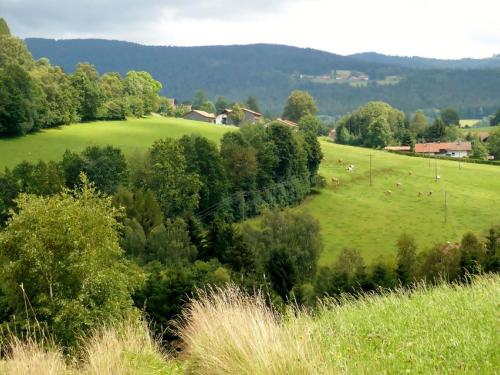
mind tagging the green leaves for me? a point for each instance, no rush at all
(298, 105)
(64, 250)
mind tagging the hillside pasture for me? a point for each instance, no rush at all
(480, 129)
(133, 135)
(468, 122)
(404, 197)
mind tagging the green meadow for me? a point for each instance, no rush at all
(468, 122)
(352, 213)
(355, 214)
(481, 129)
(131, 136)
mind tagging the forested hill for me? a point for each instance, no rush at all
(428, 63)
(270, 72)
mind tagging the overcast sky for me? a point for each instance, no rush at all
(430, 28)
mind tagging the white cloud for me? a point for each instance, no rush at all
(432, 28)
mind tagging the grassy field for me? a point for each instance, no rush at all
(131, 136)
(481, 129)
(468, 122)
(353, 214)
(444, 330)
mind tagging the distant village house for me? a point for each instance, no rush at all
(457, 149)
(289, 123)
(249, 117)
(332, 135)
(483, 136)
(198, 115)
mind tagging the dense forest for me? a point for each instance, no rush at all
(268, 71)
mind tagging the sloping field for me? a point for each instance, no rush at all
(355, 214)
(131, 136)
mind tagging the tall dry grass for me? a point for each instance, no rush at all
(226, 331)
(33, 358)
(124, 349)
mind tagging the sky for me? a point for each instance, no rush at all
(428, 28)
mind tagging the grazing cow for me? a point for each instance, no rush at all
(438, 177)
(430, 193)
(335, 181)
(340, 161)
(419, 193)
(398, 184)
(349, 168)
(388, 193)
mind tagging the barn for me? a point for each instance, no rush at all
(198, 115)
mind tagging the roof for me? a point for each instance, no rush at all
(398, 148)
(252, 112)
(228, 110)
(201, 113)
(437, 147)
(287, 122)
(483, 136)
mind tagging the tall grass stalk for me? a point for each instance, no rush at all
(226, 331)
(32, 358)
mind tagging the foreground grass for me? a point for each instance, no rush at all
(127, 349)
(449, 329)
(131, 136)
(227, 332)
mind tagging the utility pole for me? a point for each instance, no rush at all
(445, 206)
(429, 154)
(371, 181)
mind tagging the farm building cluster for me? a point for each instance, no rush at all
(224, 118)
(458, 149)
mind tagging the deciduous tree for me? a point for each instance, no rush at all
(60, 254)
(298, 105)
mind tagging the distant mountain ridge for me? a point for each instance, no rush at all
(428, 63)
(270, 72)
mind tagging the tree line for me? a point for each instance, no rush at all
(377, 125)
(35, 95)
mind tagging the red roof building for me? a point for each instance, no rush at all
(456, 149)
